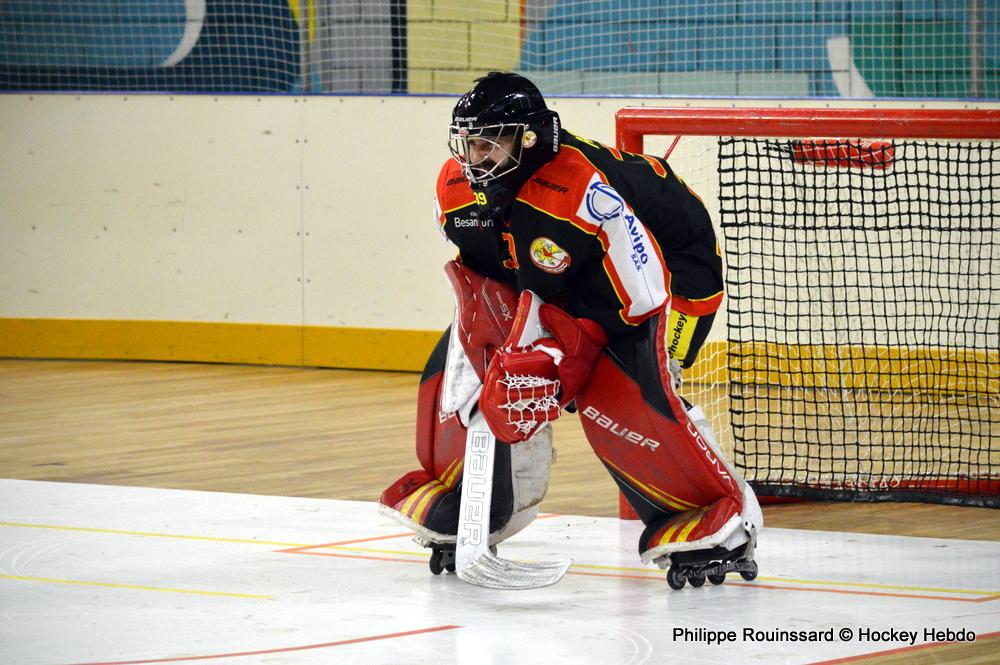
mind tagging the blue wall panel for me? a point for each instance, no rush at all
(801, 47)
(748, 47)
(776, 10)
(607, 46)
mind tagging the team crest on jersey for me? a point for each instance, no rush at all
(549, 256)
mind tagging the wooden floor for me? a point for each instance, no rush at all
(324, 433)
(308, 432)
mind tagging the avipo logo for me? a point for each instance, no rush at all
(603, 202)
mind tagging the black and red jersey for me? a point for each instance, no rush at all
(610, 235)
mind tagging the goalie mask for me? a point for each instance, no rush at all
(501, 132)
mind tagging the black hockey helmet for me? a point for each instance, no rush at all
(502, 130)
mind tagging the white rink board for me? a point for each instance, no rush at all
(95, 573)
(275, 210)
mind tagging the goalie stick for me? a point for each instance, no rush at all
(474, 562)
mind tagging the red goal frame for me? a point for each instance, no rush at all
(633, 124)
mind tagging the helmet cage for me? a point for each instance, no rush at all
(481, 152)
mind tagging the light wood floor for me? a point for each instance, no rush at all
(307, 432)
(324, 433)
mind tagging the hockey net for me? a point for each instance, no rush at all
(857, 353)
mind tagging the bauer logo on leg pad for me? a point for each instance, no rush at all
(620, 430)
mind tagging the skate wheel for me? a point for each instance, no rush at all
(717, 579)
(675, 578)
(751, 573)
(437, 561)
(696, 580)
(450, 567)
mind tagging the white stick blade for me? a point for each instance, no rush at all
(492, 572)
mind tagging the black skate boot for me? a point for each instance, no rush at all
(713, 564)
(443, 556)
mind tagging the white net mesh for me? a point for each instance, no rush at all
(529, 399)
(857, 353)
(802, 48)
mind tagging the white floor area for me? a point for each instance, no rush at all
(133, 575)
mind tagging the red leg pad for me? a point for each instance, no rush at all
(427, 496)
(661, 456)
(440, 437)
(485, 313)
(690, 526)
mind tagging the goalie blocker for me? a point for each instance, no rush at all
(672, 473)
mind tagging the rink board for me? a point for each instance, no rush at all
(106, 574)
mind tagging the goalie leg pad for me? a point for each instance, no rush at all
(640, 429)
(695, 529)
(423, 499)
(430, 506)
(427, 500)
(484, 315)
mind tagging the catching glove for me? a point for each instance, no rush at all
(528, 385)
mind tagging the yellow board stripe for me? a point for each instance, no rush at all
(923, 369)
(135, 587)
(928, 370)
(245, 343)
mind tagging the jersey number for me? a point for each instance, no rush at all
(511, 263)
(481, 198)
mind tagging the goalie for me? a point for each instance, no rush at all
(625, 259)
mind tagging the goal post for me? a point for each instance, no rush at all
(857, 352)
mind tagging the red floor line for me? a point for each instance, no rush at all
(757, 585)
(298, 550)
(295, 550)
(890, 652)
(363, 556)
(986, 599)
(880, 594)
(325, 645)
(543, 516)
(749, 585)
